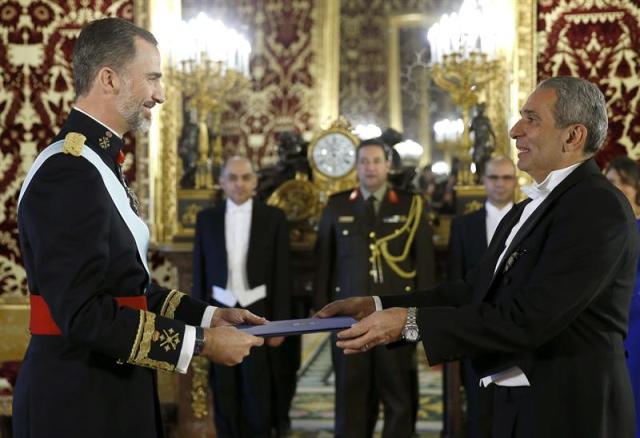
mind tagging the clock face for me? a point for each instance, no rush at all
(334, 155)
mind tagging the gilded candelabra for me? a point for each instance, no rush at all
(464, 77)
(210, 86)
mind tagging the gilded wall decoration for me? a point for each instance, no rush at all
(597, 40)
(36, 92)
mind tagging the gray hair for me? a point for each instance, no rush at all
(580, 101)
(109, 42)
(236, 158)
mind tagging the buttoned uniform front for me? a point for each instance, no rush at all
(242, 393)
(98, 377)
(344, 269)
(556, 309)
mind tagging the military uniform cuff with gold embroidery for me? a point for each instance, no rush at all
(159, 343)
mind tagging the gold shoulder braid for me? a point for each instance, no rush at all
(73, 144)
(380, 250)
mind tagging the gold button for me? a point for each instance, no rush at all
(337, 288)
(372, 247)
(345, 232)
(371, 259)
(372, 234)
(407, 288)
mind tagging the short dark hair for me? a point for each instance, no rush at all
(580, 101)
(628, 171)
(109, 42)
(373, 142)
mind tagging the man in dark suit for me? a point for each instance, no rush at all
(99, 327)
(373, 239)
(470, 234)
(241, 259)
(550, 297)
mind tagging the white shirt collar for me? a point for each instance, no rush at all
(492, 209)
(552, 181)
(99, 121)
(246, 207)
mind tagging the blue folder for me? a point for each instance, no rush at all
(288, 327)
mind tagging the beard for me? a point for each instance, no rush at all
(132, 110)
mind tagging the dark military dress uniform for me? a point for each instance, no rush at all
(97, 377)
(390, 253)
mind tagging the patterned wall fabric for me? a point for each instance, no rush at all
(36, 92)
(282, 96)
(598, 41)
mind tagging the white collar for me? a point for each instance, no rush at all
(102, 123)
(246, 207)
(555, 177)
(492, 209)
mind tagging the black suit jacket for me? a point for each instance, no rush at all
(267, 258)
(343, 252)
(467, 243)
(557, 308)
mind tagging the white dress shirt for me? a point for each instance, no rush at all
(237, 230)
(493, 218)
(237, 226)
(514, 376)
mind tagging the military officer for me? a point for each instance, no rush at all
(99, 328)
(373, 239)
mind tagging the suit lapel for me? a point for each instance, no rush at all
(256, 218)
(578, 174)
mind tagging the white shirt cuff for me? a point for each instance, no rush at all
(378, 302)
(186, 353)
(207, 316)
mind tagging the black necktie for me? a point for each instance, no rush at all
(370, 212)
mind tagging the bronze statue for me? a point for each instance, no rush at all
(484, 140)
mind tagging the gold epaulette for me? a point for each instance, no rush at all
(73, 144)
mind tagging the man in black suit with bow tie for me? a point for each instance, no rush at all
(550, 298)
(469, 238)
(241, 259)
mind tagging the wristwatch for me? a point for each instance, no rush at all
(410, 331)
(199, 345)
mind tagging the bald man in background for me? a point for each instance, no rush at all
(241, 259)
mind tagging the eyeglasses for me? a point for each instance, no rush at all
(505, 178)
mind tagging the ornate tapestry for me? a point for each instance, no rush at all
(597, 40)
(282, 95)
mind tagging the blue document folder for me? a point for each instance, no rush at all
(287, 327)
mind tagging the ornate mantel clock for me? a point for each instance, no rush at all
(332, 156)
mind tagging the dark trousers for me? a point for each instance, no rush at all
(513, 410)
(479, 403)
(284, 362)
(363, 380)
(241, 397)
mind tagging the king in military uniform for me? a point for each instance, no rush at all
(99, 327)
(373, 240)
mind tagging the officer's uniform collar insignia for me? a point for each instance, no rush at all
(73, 144)
(98, 137)
(104, 141)
(354, 195)
(392, 196)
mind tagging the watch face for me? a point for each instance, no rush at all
(411, 334)
(334, 155)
